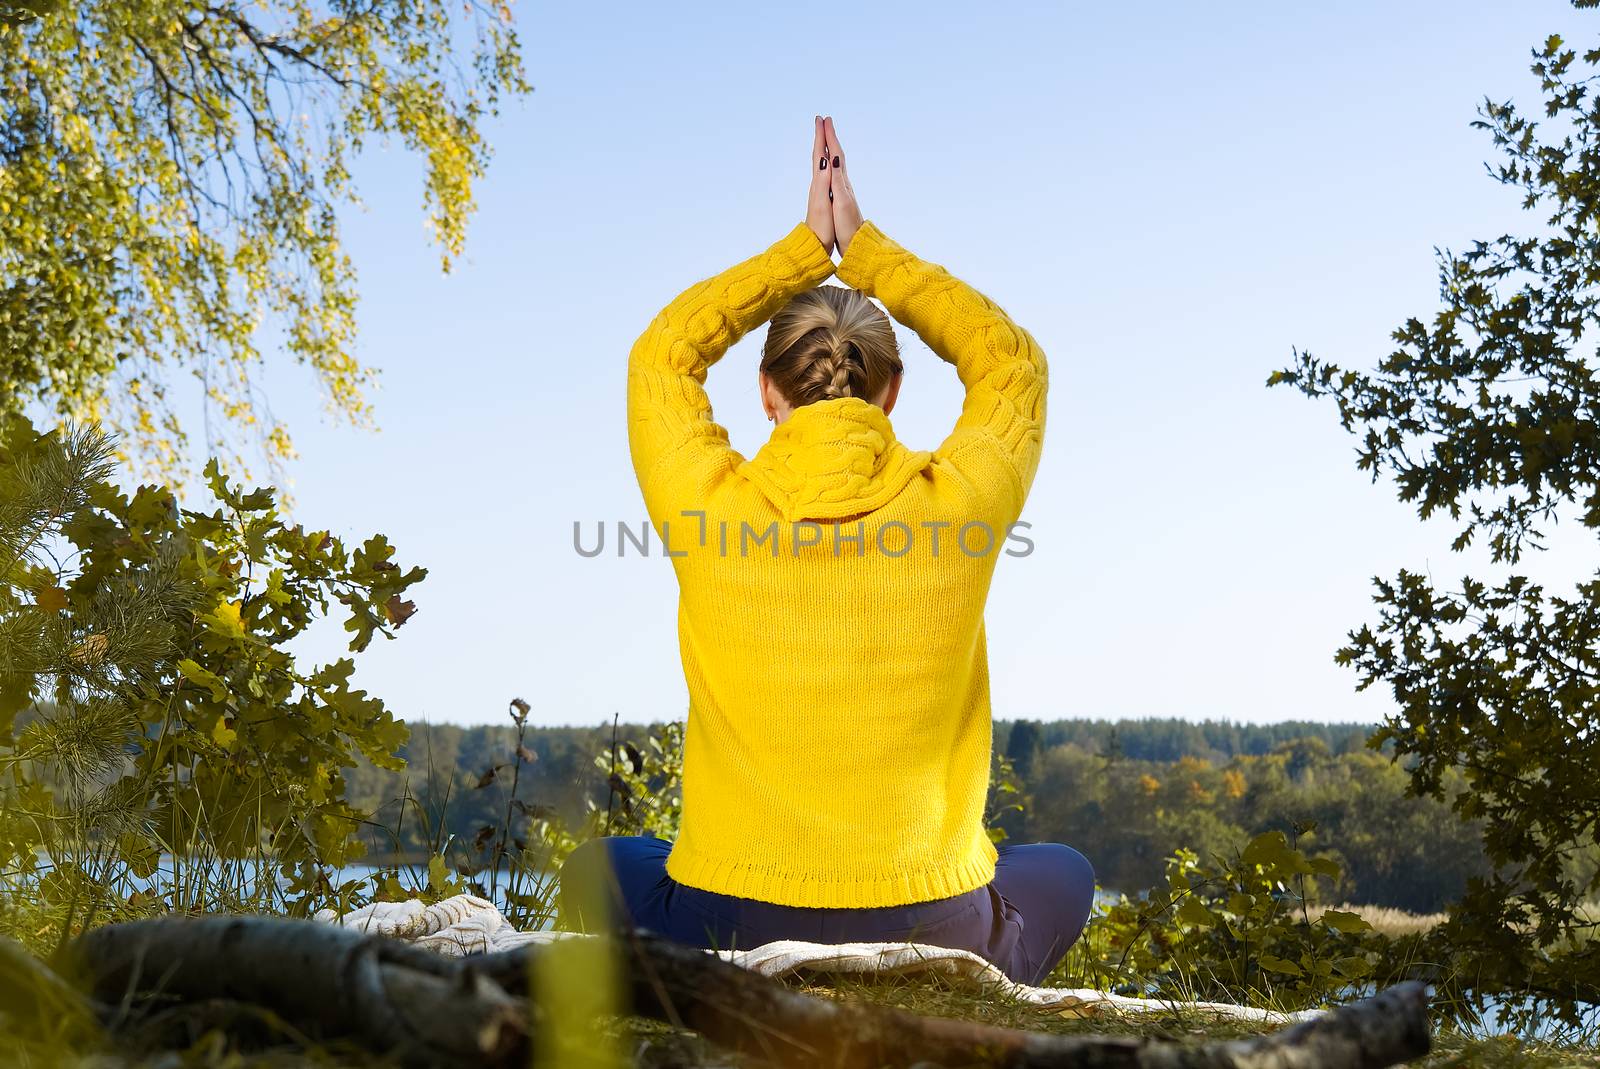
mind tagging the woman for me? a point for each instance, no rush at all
(830, 615)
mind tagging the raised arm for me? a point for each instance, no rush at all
(1000, 432)
(677, 446)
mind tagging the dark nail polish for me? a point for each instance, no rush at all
(822, 164)
(836, 161)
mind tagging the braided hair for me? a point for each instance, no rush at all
(827, 343)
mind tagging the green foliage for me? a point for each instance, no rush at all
(1007, 808)
(1489, 415)
(1240, 928)
(169, 177)
(1128, 816)
(645, 784)
(159, 742)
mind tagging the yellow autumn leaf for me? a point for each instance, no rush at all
(226, 619)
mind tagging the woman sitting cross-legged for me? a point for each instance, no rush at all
(830, 615)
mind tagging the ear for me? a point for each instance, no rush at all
(769, 394)
(891, 392)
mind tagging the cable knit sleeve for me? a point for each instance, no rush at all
(998, 437)
(677, 446)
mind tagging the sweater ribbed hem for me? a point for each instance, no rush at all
(742, 880)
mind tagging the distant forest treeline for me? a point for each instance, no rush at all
(1127, 793)
(1168, 739)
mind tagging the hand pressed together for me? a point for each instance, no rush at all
(831, 208)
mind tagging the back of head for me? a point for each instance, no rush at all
(830, 342)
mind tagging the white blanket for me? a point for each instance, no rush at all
(468, 925)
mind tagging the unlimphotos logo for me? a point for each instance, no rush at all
(893, 538)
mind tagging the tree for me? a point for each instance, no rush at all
(1023, 745)
(153, 714)
(1491, 413)
(169, 173)
(1113, 747)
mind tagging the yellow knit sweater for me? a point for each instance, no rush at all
(831, 590)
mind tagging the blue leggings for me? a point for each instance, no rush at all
(1023, 921)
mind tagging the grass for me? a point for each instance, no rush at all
(931, 995)
(1394, 922)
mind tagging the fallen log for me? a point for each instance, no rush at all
(756, 1015)
(335, 983)
(326, 981)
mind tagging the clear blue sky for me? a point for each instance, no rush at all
(1169, 197)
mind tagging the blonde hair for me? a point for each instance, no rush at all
(828, 342)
